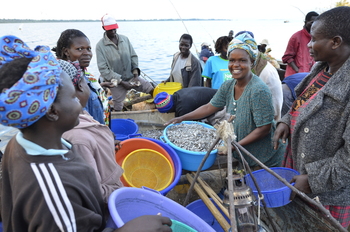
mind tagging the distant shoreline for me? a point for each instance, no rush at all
(86, 20)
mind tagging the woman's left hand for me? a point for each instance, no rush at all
(301, 183)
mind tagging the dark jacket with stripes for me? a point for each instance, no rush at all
(48, 193)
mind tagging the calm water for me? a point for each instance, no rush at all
(155, 42)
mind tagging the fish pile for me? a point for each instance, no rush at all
(154, 133)
(192, 137)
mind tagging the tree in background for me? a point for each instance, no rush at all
(342, 3)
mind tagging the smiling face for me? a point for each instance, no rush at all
(80, 50)
(184, 47)
(239, 64)
(320, 47)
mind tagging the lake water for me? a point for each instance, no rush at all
(155, 42)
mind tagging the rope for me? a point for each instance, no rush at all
(224, 130)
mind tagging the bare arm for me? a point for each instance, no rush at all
(201, 112)
(256, 135)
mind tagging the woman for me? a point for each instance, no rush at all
(318, 122)
(248, 98)
(97, 145)
(215, 70)
(63, 196)
(186, 68)
(74, 45)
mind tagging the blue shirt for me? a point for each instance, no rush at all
(94, 105)
(216, 69)
(253, 109)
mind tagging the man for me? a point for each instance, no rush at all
(297, 54)
(118, 63)
(185, 68)
(206, 52)
(187, 100)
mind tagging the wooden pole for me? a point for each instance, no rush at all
(230, 186)
(202, 163)
(213, 195)
(301, 194)
(216, 213)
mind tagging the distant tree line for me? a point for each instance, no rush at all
(83, 20)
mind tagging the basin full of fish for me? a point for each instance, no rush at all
(192, 137)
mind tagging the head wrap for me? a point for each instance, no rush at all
(72, 69)
(164, 102)
(241, 32)
(246, 42)
(31, 96)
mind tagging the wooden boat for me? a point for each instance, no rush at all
(298, 215)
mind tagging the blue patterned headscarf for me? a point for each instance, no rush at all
(246, 42)
(30, 97)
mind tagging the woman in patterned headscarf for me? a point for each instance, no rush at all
(41, 172)
(248, 98)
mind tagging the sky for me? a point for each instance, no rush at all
(162, 9)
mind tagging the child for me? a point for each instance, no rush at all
(46, 185)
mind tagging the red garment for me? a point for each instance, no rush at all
(298, 52)
(298, 105)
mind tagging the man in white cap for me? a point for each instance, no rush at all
(117, 62)
(206, 52)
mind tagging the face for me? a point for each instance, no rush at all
(184, 46)
(320, 48)
(80, 50)
(111, 33)
(67, 104)
(309, 23)
(83, 91)
(239, 64)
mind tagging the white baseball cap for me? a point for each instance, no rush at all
(108, 22)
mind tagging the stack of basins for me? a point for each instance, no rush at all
(149, 163)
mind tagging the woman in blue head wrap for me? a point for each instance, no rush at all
(249, 99)
(41, 172)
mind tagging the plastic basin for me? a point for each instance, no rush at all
(176, 160)
(191, 160)
(201, 210)
(149, 168)
(130, 145)
(126, 204)
(169, 87)
(276, 194)
(122, 128)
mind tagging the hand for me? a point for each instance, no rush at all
(174, 121)
(107, 84)
(301, 183)
(126, 85)
(135, 81)
(147, 223)
(164, 82)
(281, 132)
